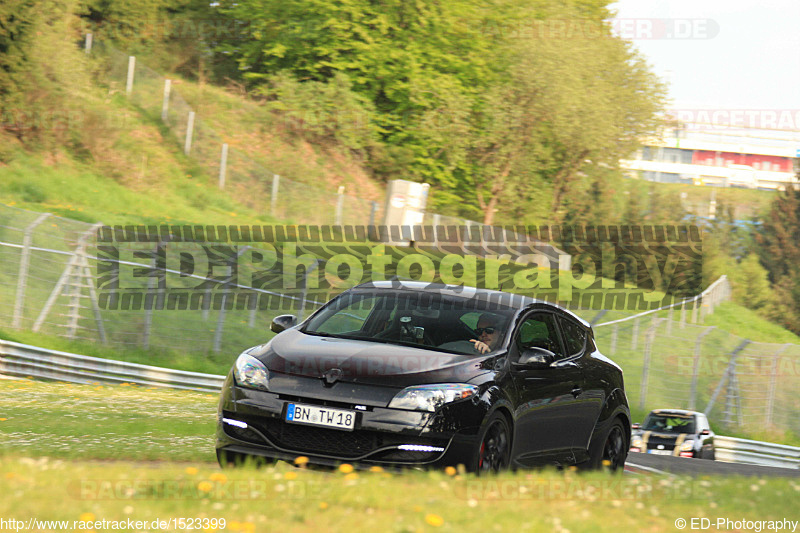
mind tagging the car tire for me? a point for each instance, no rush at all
(493, 451)
(611, 451)
(707, 452)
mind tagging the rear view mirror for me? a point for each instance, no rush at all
(282, 322)
(636, 425)
(536, 358)
(705, 432)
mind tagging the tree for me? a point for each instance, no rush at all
(779, 249)
(566, 112)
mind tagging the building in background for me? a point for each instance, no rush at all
(719, 156)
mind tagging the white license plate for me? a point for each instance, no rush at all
(660, 452)
(320, 416)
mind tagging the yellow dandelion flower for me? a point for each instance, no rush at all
(3, 419)
(302, 460)
(10, 475)
(234, 525)
(351, 476)
(606, 462)
(86, 517)
(204, 486)
(290, 475)
(191, 470)
(218, 476)
(434, 520)
(345, 468)
(450, 471)
(376, 469)
(323, 505)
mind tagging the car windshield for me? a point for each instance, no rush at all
(669, 423)
(427, 320)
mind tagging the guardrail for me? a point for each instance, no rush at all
(23, 360)
(733, 450)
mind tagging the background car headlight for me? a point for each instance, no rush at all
(250, 372)
(687, 445)
(431, 397)
(636, 442)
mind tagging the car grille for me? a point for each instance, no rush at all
(344, 444)
(653, 442)
(322, 440)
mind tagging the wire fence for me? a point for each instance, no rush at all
(670, 362)
(52, 269)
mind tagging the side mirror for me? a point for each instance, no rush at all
(636, 425)
(536, 358)
(282, 322)
(705, 432)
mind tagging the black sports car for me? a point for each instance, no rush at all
(415, 374)
(674, 432)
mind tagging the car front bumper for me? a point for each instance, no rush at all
(255, 426)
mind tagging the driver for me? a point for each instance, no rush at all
(488, 332)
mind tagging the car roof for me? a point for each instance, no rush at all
(675, 412)
(518, 301)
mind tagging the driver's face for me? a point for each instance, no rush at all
(484, 336)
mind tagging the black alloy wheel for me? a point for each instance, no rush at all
(494, 451)
(614, 450)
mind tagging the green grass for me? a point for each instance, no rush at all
(160, 444)
(75, 190)
(739, 320)
(288, 499)
(100, 421)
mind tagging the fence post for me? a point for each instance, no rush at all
(304, 295)
(635, 336)
(773, 382)
(436, 223)
(696, 367)
(223, 164)
(695, 307)
(187, 145)
(73, 263)
(725, 376)
(22, 277)
(273, 199)
(87, 48)
(131, 69)
(648, 347)
(220, 322)
(683, 315)
(614, 339)
(158, 304)
(165, 102)
(339, 205)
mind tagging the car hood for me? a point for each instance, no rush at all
(295, 353)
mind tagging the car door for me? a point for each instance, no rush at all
(543, 409)
(591, 394)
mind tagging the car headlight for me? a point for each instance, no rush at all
(431, 397)
(636, 442)
(250, 372)
(687, 445)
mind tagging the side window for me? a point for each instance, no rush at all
(574, 336)
(539, 331)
